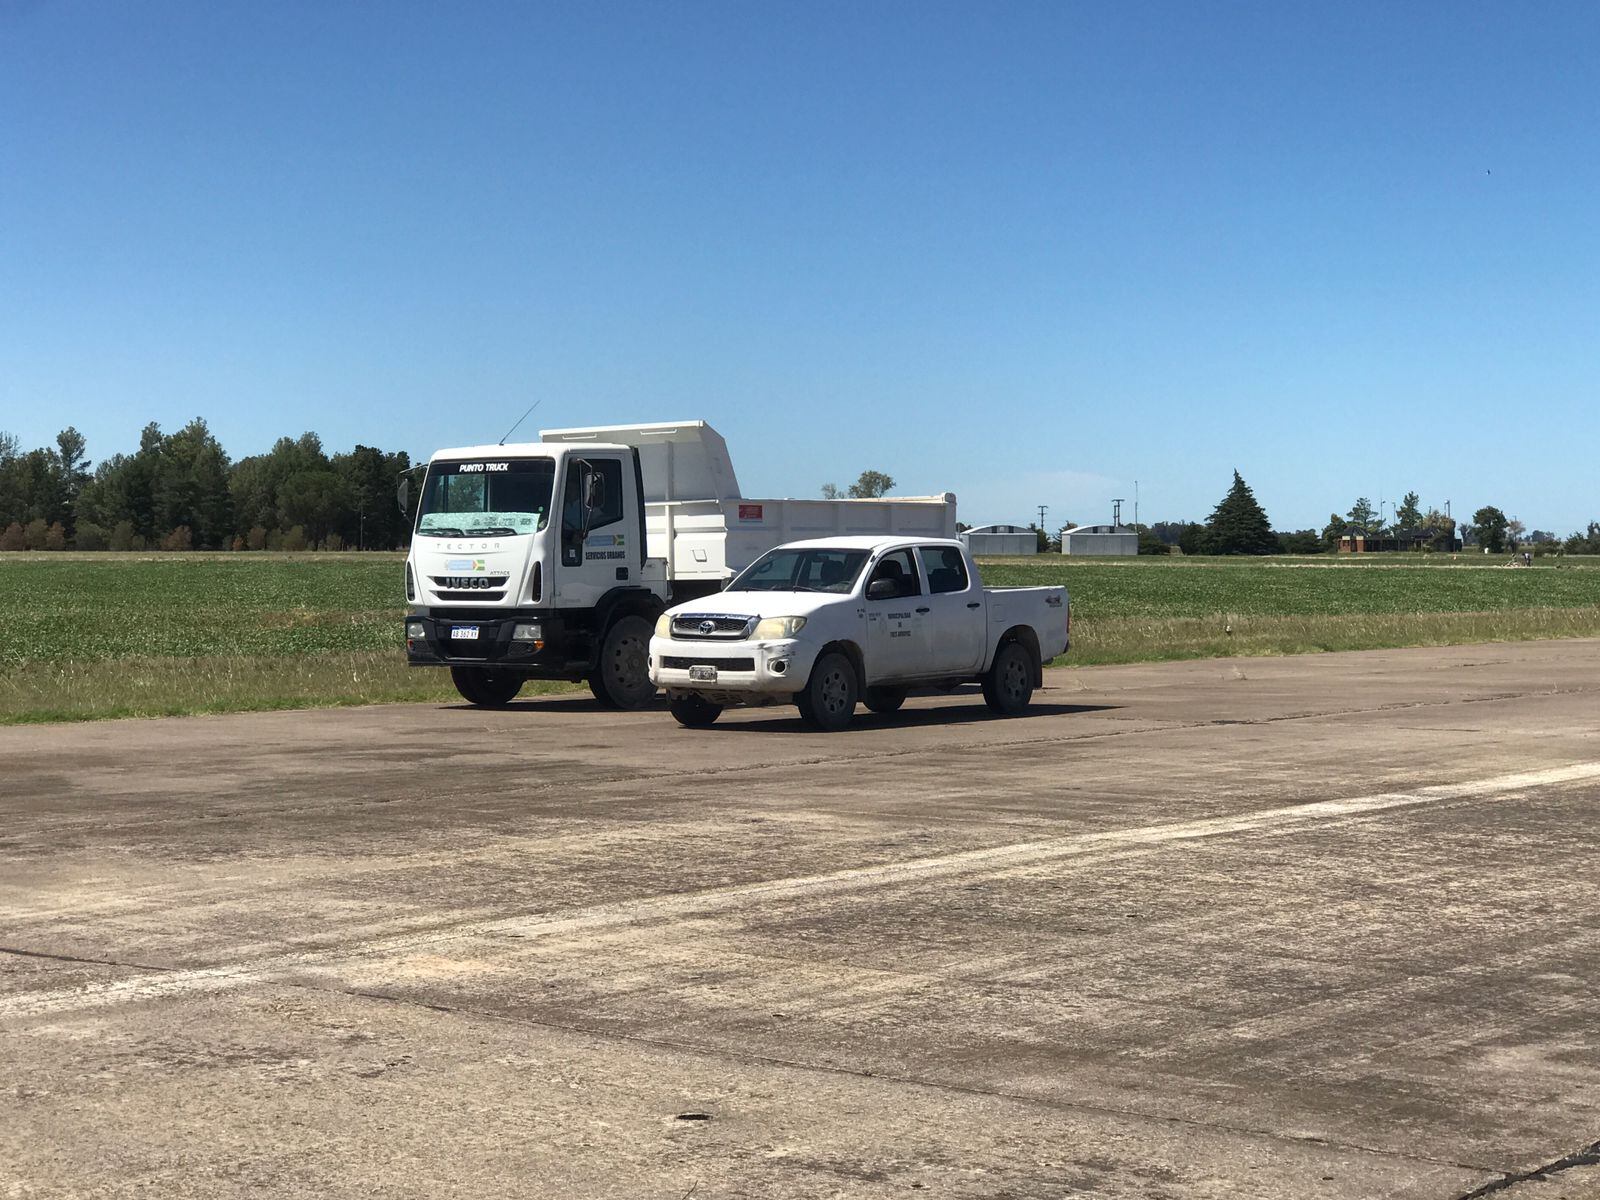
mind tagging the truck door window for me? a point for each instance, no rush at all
(945, 568)
(609, 512)
(897, 566)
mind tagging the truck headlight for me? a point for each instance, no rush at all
(528, 633)
(664, 625)
(773, 628)
(416, 631)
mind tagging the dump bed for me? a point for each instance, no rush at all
(699, 523)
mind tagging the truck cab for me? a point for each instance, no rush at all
(523, 561)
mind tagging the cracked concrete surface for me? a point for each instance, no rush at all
(1290, 928)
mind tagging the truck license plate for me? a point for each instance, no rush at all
(463, 633)
(703, 674)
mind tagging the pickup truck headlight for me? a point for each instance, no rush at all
(664, 625)
(778, 627)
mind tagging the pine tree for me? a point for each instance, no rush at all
(1238, 525)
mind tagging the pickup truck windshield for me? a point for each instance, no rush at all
(486, 498)
(801, 570)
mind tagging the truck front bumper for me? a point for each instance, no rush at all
(535, 642)
(731, 672)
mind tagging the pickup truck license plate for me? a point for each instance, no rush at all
(463, 633)
(703, 674)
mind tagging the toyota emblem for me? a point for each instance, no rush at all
(708, 627)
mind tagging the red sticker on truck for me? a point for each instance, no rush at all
(749, 512)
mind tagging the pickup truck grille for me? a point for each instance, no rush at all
(712, 626)
(679, 663)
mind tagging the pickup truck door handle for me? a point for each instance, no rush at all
(924, 610)
(975, 604)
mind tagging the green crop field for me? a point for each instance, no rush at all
(1131, 610)
(93, 635)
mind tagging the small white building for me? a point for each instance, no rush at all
(1100, 539)
(1000, 539)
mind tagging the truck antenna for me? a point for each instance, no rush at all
(520, 420)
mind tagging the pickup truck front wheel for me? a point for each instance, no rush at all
(693, 712)
(1008, 684)
(486, 689)
(828, 700)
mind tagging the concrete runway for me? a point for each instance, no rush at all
(1298, 928)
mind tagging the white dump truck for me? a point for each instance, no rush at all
(824, 623)
(553, 559)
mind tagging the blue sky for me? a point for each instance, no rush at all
(1028, 253)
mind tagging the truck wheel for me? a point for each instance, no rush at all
(883, 699)
(622, 679)
(694, 712)
(486, 689)
(1008, 683)
(828, 700)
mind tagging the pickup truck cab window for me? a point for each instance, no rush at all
(802, 570)
(897, 567)
(945, 569)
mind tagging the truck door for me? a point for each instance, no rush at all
(599, 547)
(956, 622)
(894, 626)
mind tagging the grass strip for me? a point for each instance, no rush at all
(158, 687)
(163, 687)
(1098, 641)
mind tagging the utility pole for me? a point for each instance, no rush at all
(1116, 513)
(1043, 508)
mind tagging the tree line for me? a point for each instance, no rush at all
(1239, 525)
(180, 491)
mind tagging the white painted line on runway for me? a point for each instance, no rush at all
(658, 909)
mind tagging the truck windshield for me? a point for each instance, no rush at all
(486, 497)
(801, 570)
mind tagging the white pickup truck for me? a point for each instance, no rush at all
(832, 621)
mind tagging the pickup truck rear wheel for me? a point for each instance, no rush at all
(828, 700)
(693, 712)
(1008, 683)
(486, 689)
(883, 699)
(622, 679)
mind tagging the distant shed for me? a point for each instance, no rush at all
(1100, 539)
(1000, 539)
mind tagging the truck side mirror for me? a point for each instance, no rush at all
(402, 494)
(594, 492)
(882, 589)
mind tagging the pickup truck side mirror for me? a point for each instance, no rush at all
(882, 589)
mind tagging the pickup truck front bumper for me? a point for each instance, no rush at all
(732, 672)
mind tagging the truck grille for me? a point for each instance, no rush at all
(482, 588)
(712, 625)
